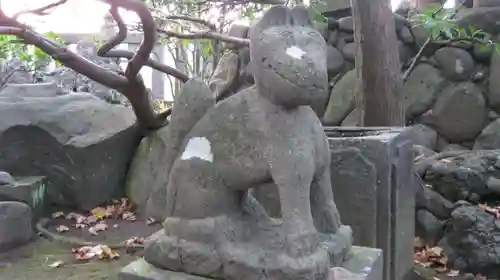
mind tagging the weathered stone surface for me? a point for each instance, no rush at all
(464, 173)
(16, 71)
(341, 101)
(459, 113)
(361, 264)
(346, 24)
(6, 179)
(15, 224)
(473, 244)
(433, 202)
(213, 226)
(82, 144)
(22, 91)
(421, 151)
(70, 81)
(194, 100)
(349, 51)
(454, 147)
(493, 93)
(30, 190)
(334, 61)
(484, 18)
(420, 90)
(146, 167)
(391, 155)
(422, 135)
(489, 139)
(428, 227)
(457, 64)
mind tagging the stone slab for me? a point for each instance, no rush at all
(374, 188)
(31, 190)
(362, 264)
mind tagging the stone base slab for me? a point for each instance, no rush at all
(31, 190)
(361, 264)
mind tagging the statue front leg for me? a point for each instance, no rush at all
(323, 207)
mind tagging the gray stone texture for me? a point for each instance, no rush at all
(264, 134)
(82, 144)
(15, 224)
(372, 173)
(31, 190)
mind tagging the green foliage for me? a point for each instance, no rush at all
(442, 27)
(35, 58)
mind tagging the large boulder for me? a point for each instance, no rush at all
(460, 113)
(472, 243)
(82, 144)
(484, 18)
(341, 101)
(15, 224)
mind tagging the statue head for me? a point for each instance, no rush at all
(288, 58)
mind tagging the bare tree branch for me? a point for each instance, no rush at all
(40, 11)
(205, 35)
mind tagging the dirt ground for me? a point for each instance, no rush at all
(33, 260)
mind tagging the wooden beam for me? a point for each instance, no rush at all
(377, 64)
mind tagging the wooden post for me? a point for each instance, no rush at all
(377, 64)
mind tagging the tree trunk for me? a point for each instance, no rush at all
(377, 64)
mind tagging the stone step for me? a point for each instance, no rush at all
(31, 190)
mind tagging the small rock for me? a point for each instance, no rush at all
(492, 115)
(406, 36)
(478, 77)
(346, 24)
(459, 113)
(6, 179)
(349, 51)
(15, 224)
(332, 37)
(441, 143)
(428, 227)
(457, 64)
(493, 94)
(334, 61)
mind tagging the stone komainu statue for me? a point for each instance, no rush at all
(266, 136)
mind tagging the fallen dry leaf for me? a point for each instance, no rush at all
(62, 228)
(151, 221)
(108, 253)
(453, 273)
(57, 215)
(80, 225)
(56, 264)
(116, 226)
(101, 213)
(129, 216)
(98, 227)
(135, 241)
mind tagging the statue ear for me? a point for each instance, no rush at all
(275, 16)
(300, 16)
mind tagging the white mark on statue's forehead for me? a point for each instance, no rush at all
(295, 52)
(198, 147)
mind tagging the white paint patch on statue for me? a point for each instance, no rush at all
(198, 147)
(295, 52)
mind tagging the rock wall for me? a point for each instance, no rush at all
(452, 91)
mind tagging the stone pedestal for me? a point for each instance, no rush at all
(361, 264)
(31, 190)
(371, 171)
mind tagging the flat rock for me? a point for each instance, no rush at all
(460, 113)
(82, 144)
(15, 224)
